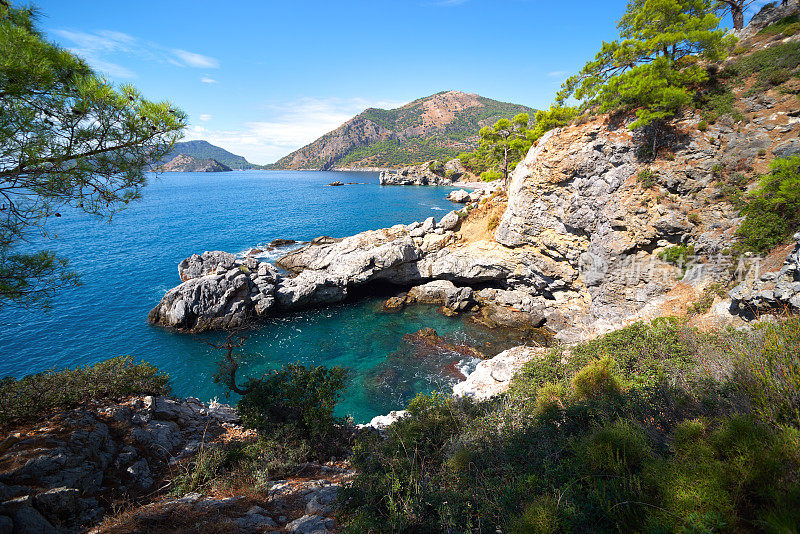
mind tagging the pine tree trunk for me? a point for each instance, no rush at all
(505, 167)
(738, 16)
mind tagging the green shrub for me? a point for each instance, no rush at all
(739, 50)
(772, 212)
(702, 126)
(779, 77)
(784, 26)
(294, 401)
(765, 64)
(491, 176)
(677, 450)
(35, 395)
(694, 218)
(704, 303)
(791, 29)
(596, 380)
(647, 178)
(493, 222)
(677, 254)
(539, 517)
(550, 397)
(237, 467)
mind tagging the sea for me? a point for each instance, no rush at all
(127, 265)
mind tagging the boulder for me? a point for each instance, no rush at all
(196, 265)
(493, 376)
(460, 196)
(281, 242)
(442, 293)
(310, 524)
(449, 221)
(58, 503)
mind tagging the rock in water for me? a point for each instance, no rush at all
(460, 196)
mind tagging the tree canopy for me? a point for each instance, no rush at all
(505, 144)
(67, 137)
(655, 65)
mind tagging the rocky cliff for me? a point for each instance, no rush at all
(435, 127)
(186, 163)
(428, 173)
(584, 240)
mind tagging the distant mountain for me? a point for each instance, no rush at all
(205, 150)
(436, 127)
(186, 163)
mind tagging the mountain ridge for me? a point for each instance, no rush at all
(439, 126)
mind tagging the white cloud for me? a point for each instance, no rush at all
(557, 74)
(191, 59)
(103, 49)
(204, 117)
(287, 127)
(206, 79)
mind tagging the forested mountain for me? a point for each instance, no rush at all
(436, 127)
(204, 150)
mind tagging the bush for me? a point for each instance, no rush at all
(786, 26)
(295, 402)
(704, 303)
(677, 451)
(596, 380)
(772, 212)
(35, 395)
(677, 254)
(493, 222)
(491, 176)
(702, 126)
(647, 178)
(766, 64)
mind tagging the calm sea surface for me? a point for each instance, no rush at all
(127, 265)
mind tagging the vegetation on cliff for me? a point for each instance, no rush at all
(655, 66)
(656, 427)
(36, 395)
(67, 137)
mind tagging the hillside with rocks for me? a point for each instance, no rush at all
(436, 127)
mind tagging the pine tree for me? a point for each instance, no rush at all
(505, 144)
(655, 65)
(67, 137)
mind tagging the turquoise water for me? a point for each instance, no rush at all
(127, 265)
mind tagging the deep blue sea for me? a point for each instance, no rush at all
(128, 264)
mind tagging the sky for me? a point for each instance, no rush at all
(263, 78)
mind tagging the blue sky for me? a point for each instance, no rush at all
(262, 78)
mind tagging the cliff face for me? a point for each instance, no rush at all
(436, 127)
(186, 163)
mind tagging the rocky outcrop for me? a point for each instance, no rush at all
(186, 163)
(428, 173)
(219, 292)
(776, 290)
(55, 474)
(493, 376)
(222, 293)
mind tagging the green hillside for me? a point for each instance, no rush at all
(436, 127)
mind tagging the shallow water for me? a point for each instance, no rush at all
(127, 265)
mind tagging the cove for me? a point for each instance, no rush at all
(127, 265)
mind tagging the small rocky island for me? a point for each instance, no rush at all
(187, 163)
